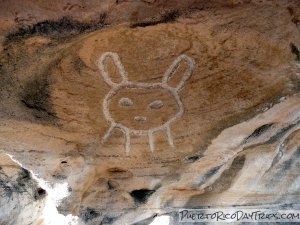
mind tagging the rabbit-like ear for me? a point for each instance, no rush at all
(102, 64)
(173, 68)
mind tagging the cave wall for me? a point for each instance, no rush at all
(227, 115)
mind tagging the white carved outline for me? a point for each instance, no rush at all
(102, 64)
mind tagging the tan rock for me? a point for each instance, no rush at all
(147, 118)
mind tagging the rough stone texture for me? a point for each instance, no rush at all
(21, 198)
(236, 144)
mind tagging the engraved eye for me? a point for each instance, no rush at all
(156, 104)
(125, 102)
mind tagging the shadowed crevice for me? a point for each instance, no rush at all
(142, 195)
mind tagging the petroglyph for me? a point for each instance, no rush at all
(136, 117)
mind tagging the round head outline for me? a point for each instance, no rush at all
(120, 93)
(124, 107)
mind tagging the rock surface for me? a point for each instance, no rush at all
(21, 198)
(134, 134)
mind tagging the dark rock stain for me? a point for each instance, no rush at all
(36, 94)
(282, 150)
(193, 158)
(119, 173)
(292, 164)
(295, 51)
(5, 186)
(78, 65)
(276, 136)
(142, 195)
(278, 156)
(259, 131)
(24, 177)
(36, 97)
(221, 184)
(63, 27)
(59, 176)
(112, 185)
(165, 18)
(107, 220)
(281, 133)
(209, 174)
(295, 19)
(227, 177)
(23, 182)
(116, 170)
(20, 184)
(39, 193)
(89, 214)
(287, 165)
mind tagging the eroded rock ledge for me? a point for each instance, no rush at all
(233, 103)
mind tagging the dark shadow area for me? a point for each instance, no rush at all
(142, 195)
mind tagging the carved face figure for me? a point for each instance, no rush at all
(142, 108)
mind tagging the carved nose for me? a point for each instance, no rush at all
(140, 119)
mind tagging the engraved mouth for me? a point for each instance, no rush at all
(140, 119)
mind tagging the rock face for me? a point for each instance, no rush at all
(21, 197)
(185, 106)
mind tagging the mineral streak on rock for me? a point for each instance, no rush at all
(235, 143)
(19, 194)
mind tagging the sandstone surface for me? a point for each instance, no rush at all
(139, 108)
